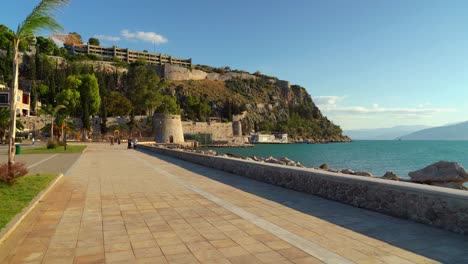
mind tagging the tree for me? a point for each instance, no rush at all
(168, 106)
(40, 18)
(6, 37)
(117, 105)
(94, 41)
(142, 87)
(70, 97)
(90, 98)
(5, 123)
(45, 46)
(77, 36)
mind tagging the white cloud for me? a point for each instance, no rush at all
(108, 38)
(144, 36)
(328, 100)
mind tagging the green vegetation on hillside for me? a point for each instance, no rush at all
(86, 88)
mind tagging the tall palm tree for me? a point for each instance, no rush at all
(40, 18)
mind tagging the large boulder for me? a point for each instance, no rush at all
(324, 166)
(442, 171)
(363, 173)
(347, 171)
(389, 175)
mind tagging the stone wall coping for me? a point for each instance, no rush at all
(368, 180)
(433, 190)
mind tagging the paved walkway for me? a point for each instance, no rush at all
(124, 206)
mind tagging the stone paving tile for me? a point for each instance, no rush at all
(147, 252)
(105, 212)
(174, 249)
(186, 258)
(233, 251)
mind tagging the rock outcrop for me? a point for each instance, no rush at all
(442, 171)
(443, 174)
(389, 175)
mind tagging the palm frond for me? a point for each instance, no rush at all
(40, 18)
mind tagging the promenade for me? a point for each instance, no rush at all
(123, 206)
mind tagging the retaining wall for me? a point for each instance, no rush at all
(441, 207)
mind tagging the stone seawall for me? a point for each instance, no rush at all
(441, 207)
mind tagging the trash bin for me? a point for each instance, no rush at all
(18, 149)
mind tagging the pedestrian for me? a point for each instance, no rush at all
(129, 143)
(118, 140)
(135, 142)
(33, 141)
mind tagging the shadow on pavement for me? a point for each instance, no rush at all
(433, 243)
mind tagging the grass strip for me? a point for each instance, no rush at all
(15, 198)
(60, 149)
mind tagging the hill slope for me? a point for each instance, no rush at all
(450, 132)
(389, 133)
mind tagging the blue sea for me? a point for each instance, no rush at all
(376, 157)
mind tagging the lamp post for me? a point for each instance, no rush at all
(55, 111)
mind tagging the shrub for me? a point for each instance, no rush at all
(51, 144)
(18, 170)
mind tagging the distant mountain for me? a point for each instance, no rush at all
(450, 132)
(389, 133)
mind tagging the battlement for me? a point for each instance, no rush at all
(129, 56)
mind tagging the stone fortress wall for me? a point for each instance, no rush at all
(218, 131)
(178, 73)
(440, 207)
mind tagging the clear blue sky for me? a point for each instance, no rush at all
(366, 63)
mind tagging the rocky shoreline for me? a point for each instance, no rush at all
(442, 174)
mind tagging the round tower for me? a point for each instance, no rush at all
(167, 128)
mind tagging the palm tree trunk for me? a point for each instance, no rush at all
(13, 92)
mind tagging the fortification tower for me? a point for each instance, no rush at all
(167, 128)
(237, 124)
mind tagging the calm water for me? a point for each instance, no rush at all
(376, 157)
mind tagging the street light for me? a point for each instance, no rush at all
(56, 109)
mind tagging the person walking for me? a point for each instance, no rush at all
(33, 141)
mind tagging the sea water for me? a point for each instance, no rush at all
(376, 157)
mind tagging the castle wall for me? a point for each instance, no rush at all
(219, 131)
(177, 73)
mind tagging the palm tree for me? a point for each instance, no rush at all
(40, 18)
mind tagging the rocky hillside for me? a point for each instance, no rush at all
(266, 103)
(263, 103)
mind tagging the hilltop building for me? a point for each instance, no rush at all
(127, 55)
